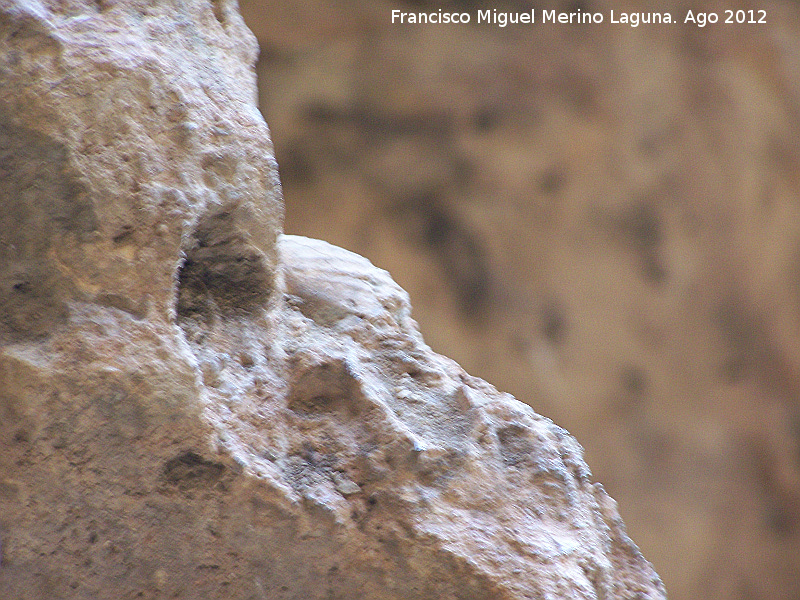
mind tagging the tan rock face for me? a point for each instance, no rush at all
(192, 406)
(120, 151)
(601, 220)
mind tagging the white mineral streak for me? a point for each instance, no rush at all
(194, 407)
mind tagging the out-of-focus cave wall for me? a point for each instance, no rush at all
(602, 220)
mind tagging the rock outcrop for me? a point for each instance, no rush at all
(599, 219)
(194, 406)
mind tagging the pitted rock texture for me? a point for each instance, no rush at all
(601, 220)
(192, 406)
(316, 449)
(128, 138)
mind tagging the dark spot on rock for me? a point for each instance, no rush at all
(218, 8)
(552, 180)
(779, 521)
(487, 118)
(222, 270)
(320, 112)
(123, 235)
(653, 269)
(515, 446)
(634, 380)
(746, 334)
(642, 226)
(554, 322)
(247, 361)
(456, 248)
(577, 90)
(518, 344)
(189, 471)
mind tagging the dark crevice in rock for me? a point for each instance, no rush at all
(222, 271)
(189, 471)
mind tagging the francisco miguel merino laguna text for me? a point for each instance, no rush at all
(502, 19)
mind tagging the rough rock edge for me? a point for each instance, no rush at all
(297, 440)
(339, 441)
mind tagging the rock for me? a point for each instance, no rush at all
(129, 139)
(603, 225)
(192, 406)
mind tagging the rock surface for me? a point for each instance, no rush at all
(193, 406)
(120, 151)
(601, 220)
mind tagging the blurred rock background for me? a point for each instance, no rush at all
(602, 220)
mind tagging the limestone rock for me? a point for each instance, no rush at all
(192, 406)
(605, 225)
(129, 136)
